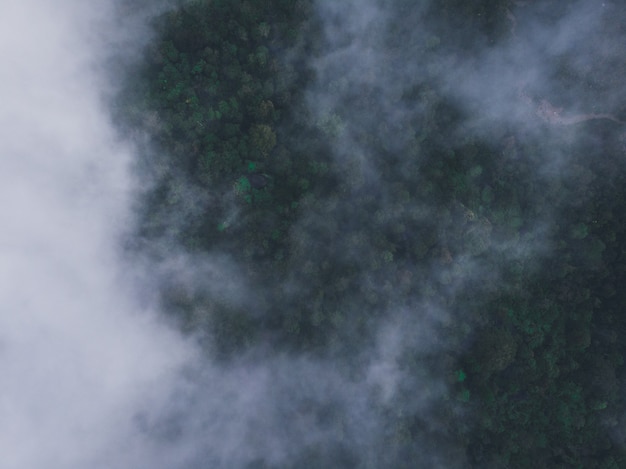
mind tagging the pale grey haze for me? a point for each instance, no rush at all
(94, 376)
(79, 354)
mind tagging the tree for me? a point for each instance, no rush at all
(263, 138)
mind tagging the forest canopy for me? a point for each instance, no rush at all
(333, 160)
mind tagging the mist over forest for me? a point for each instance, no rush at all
(313, 234)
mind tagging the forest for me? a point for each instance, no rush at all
(367, 170)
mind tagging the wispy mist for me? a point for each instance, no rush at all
(126, 340)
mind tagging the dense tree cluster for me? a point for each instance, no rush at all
(216, 85)
(404, 216)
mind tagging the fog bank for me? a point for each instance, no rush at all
(80, 354)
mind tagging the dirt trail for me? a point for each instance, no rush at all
(551, 114)
(543, 108)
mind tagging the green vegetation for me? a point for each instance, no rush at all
(343, 218)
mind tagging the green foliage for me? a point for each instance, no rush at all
(263, 139)
(332, 125)
(464, 395)
(580, 231)
(242, 188)
(405, 212)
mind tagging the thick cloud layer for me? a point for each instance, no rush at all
(79, 354)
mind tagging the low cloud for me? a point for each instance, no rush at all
(79, 352)
(96, 374)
